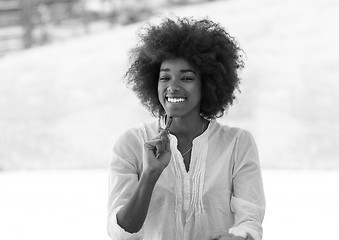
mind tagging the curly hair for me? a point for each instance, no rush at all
(204, 44)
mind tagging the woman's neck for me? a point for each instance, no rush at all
(188, 128)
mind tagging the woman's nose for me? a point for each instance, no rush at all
(173, 86)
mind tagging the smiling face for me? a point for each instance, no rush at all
(179, 88)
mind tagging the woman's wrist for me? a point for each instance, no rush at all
(132, 216)
(150, 175)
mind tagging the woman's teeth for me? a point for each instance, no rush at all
(175, 100)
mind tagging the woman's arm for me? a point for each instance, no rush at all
(156, 157)
(248, 200)
(131, 217)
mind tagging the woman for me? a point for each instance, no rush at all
(185, 176)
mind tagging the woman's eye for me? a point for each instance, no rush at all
(163, 78)
(187, 78)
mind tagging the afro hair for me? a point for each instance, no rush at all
(204, 44)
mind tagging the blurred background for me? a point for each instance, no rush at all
(63, 103)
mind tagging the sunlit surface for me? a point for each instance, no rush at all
(52, 205)
(71, 205)
(63, 105)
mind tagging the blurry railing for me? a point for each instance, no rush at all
(27, 23)
(23, 22)
(9, 15)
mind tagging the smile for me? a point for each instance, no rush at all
(175, 100)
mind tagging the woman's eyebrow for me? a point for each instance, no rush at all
(188, 70)
(183, 70)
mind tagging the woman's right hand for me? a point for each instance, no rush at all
(157, 153)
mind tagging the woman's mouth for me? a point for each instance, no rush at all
(175, 99)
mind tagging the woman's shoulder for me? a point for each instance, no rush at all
(138, 132)
(230, 132)
(130, 142)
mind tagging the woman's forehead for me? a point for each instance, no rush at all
(179, 64)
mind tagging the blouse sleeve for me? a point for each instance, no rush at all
(248, 200)
(124, 169)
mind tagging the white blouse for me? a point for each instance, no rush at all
(221, 193)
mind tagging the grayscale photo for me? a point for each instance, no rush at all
(169, 119)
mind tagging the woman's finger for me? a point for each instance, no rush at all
(159, 148)
(159, 143)
(165, 140)
(156, 146)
